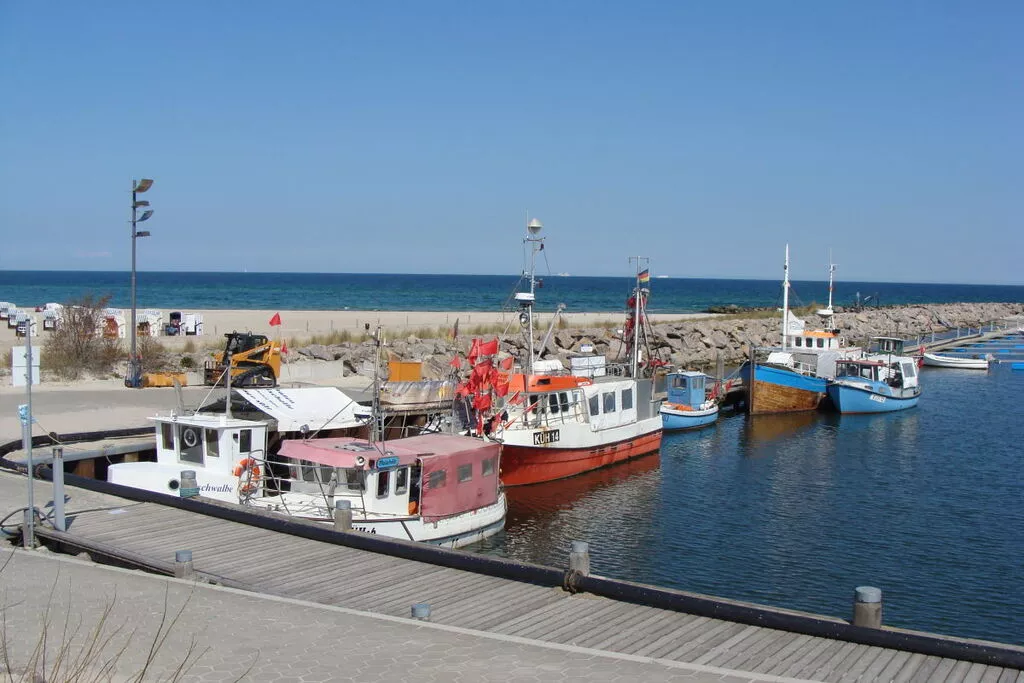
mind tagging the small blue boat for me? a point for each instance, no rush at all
(874, 386)
(687, 406)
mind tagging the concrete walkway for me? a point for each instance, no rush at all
(213, 633)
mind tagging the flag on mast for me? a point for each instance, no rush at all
(276, 320)
(644, 277)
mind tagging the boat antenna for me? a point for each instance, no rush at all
(227, 386)
(785, 299)
(376, 428)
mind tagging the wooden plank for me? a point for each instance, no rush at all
(796, 664)
(729, 646)
(991, 674)
(827, 670)
(674, 635)
(576, 611)
(858, 669)
(909, 668)
(602, 619)
(759, 652)
(507, 626)
(489, 620)
(681, 650)
(925, 672)
(635, 627)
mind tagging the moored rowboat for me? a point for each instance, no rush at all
(939, 361)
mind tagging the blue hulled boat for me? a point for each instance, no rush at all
(687, 406)
(874, 385)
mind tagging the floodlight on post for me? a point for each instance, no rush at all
(133, 378)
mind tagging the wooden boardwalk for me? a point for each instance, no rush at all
(275, 563)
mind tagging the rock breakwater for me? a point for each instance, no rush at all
(686, 343)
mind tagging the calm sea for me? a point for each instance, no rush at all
(339, 291)
(795, 511)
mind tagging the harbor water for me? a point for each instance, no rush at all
(797, 510)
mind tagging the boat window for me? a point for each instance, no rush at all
(531, 401)
(465, 472)
(245, 444)
(553, 403)
(212, 443)
(487, 467)
(383, 478)
(355, 480)
(401, 481)
(909, 370)
(677, 381)
(167, 434)
(436, 479)
(609, 402)
(799, 341)
(595, 404)
(191, 445)
(821, 343)
(563, 400)
(627, 399)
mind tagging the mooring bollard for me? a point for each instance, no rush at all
(188, 487)
(579, 557)
(867, 607)
(421, 611)
(343, 515)
(183, 564)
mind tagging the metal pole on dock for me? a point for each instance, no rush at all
(579, 557)
(29, 532)
(57, 465)
(183, 568)
(343, 515)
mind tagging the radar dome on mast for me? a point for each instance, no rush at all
(534, 226)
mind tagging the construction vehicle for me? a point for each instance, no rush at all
(255, 361)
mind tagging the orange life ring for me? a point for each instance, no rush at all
(252, 480)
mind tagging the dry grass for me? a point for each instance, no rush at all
(77, 346)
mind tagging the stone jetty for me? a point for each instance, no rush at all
(693, 343)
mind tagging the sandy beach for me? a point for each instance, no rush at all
(301, 325)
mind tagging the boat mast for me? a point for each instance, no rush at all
(785, 299)
(376, 428)
(536, 242)
(637, 293)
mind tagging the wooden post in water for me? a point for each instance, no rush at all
(867, 607)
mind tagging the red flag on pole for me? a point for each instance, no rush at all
(276, 320)
(489, 348)
(284, 347)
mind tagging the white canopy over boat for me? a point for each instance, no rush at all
(315, 407)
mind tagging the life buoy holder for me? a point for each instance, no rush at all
(190, 437)
(252, 479)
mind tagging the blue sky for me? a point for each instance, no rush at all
(414, 137)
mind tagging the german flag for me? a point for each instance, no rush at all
(644, 276)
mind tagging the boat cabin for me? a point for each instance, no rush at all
(892, 345)
(433, 476)
(687, 388)
(901, 373)
(212, 446)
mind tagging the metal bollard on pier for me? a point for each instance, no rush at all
(579, 557)
(343, 515)
(183, 564)
(57, 467)
(188, 486)
(421, 611)
(867, 607)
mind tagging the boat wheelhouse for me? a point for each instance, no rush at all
(687, 406)
(875, 386)
(438, 488)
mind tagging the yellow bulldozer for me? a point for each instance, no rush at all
(255, 361)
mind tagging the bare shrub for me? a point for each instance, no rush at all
(77, 345)
(155, 356)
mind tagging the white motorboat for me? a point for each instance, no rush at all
(963, 362)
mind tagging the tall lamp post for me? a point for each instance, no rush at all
(134, 377)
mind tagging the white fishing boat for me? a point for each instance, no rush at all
(436, 488)
(936, 360)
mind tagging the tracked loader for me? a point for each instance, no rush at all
(255, 361)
